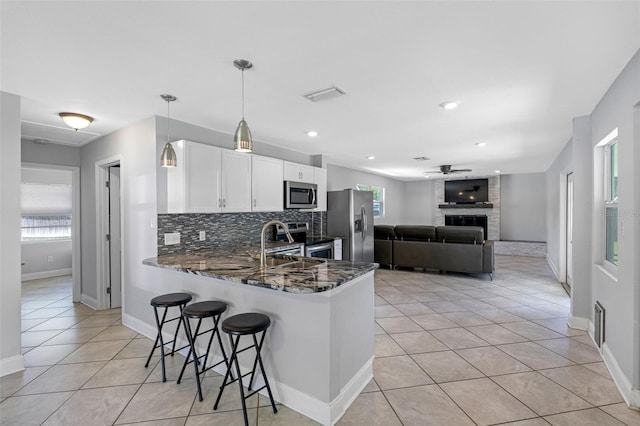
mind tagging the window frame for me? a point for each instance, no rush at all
(381, 203)
(68, 217)
(610, 200)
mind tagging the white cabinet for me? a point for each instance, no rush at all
(208, 179)
(337, 249)
(267, 189)
(298, 172)
(320, 179)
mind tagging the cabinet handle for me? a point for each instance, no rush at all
(219, 202)
(224, 202)
(254, 203)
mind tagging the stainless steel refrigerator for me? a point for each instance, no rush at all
(350, 215)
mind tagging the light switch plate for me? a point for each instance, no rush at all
(171, 238)
(203, 235)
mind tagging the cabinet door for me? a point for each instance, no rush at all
(320, 179)
(236, 181)
(267, 189)
(202, 178)
(298, 172)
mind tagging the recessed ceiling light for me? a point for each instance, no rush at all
(497, 171)
(450, 104)
(426, 176)
(371, 157)
(312, 133)
(481, 144)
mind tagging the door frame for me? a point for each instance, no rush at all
(76, 257)
(102, 228)
(562, 246)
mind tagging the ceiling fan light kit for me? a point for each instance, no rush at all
(446, 169)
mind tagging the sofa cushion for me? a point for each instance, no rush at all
(415, 233)
(384, 232)
(460, 234)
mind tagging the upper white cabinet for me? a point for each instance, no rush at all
(267, 190)
(298, 172)
(208, 179)
(320, 179)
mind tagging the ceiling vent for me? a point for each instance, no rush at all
(423, 158)
(325, 94)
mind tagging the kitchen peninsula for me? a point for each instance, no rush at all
(320, 348)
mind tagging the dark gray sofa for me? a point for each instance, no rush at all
(445, 248)
(383, 244)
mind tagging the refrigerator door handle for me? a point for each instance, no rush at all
(363, 212)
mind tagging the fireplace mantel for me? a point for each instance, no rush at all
(466, 206)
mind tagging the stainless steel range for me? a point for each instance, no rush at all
(313, 246)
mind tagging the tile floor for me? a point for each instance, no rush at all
(450, 350)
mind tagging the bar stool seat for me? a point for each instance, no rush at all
(167, 301)
(201, 310)
(250, 323)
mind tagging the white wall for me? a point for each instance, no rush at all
(10, 291)
(35, 259)
(419, 203)
(339, 178)
(49, 153)
(522, 207)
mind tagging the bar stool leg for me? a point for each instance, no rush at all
(234, 347)
(175, 336)
(159, 324)
(264, 374)
(244, 404)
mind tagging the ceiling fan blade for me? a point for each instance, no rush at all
(459, 170)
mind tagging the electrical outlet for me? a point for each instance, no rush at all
(171, 238)
(50, 259)
(203, 235)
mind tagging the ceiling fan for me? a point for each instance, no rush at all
(446, 169)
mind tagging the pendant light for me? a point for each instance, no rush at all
(242, 140)
(168, 157)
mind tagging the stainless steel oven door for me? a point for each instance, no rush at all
(324, 250)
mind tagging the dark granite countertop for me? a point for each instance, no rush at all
(283, 273)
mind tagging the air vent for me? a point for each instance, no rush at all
(598, 326)
(423, 158)
(325, 94)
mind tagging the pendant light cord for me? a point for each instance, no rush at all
(168, 120)
(243, 93)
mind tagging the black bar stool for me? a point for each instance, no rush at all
(200, 310)
(167, 301)
(241, 325)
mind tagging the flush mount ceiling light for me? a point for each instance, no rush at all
(75, 121)
(371, 157)
(497, 171)
(312, 133)
(168, 157)
(450, 105)
(242, 140)
(481, 144)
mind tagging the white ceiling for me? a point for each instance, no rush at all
(521, 70)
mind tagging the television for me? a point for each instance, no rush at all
(468, 191)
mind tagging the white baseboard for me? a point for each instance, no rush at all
(350, 392)
(91, 302)
(580, 323)
(553, 267)
(46, 274)
(631, 396)
(11, 365)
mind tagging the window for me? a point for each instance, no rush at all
(46, 211)
(611, 201)
(378, 198)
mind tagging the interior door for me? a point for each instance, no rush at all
(569, 248)
(115, 241)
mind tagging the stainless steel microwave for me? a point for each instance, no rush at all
(300, 195)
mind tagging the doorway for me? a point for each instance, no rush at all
(568, 282)
(114, 285)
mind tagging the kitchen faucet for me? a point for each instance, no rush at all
(263, 255)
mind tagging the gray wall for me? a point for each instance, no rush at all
(339, 178)
(522, 207)
(419, 203)
(50, 153)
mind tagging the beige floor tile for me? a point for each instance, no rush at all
(446, 366)
(62, 378)
(444, 305)
(398, 298)
(159, 401)
(433, 321)
(372, 386)
(93, 407)
(27, 324)
(398, 372)
(414, 309)
(538, 421)
(600, 368)
(623, 413)
(496, 334)
(586, 384)
(540, 394)
(116, 332)
(118, 372)
(75, 335)
(78, 310)
(13, 382)
(458, 338)
(226, 418)
(96, 351)
(173, 365)
(58, 323)
(230, 400)
(426, 406)
(426, 297)
(284, 416)
(386, 346)
(419, 342)
(30, 409)
(386, 311)
(35, 338)
(575, 351)
(178, 421)
(535, 356)
(44, 313)
(398, 325)
(464, 319)
(591, 417)
(47, 355)
(378, 330)
(531, 331)
(378, 300)
(498, 315)
(529, 313)
(485, 402)
(137, 348)
(99, 321)
(492, 361)
(500, 302)
(370, 409)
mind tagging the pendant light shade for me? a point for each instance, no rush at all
(168, 157)
(242, 140)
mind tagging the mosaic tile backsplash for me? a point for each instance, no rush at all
(227, 229)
